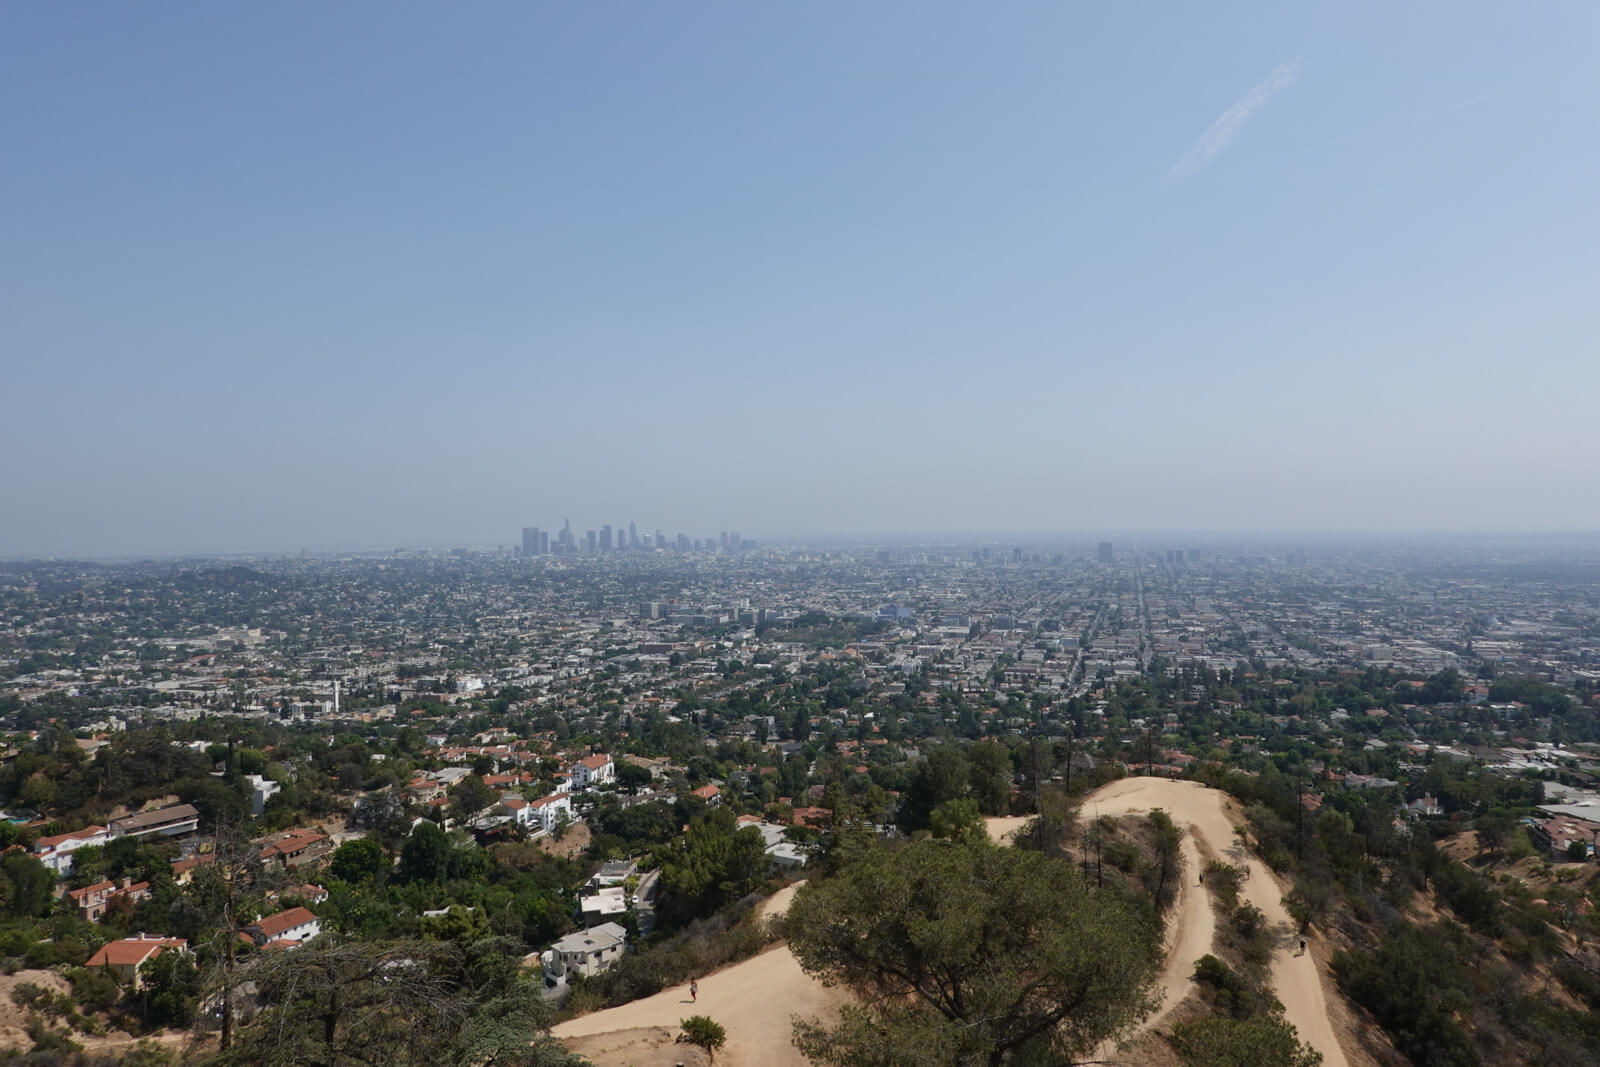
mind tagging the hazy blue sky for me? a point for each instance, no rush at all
(349, 274)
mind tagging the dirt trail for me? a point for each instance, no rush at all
(753, 999)
(1204, 813)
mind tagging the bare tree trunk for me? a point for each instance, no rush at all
(236, 863)
(330, 1025)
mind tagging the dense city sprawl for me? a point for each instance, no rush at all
(560, 780)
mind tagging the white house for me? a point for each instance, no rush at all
(294, 925)
(592, 770)
(587, 952)
(604, 904)
(1425, 807)
(56, 852)
(785, 854)
(547, 811)
(540, 815)
(261, 789)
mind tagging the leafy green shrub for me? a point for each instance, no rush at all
(93, 990)
(1582, 983)
(705, 1032)
(1230, 991)
(50, 1039)
(1220, 1042)
(42, 955)
(34, 997)
(1121, 855)
(1413, 983)
(1223, 881)
(148, 1054)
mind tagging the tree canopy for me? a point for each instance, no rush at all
(715, 863)
(968, 953)
(398, 1002)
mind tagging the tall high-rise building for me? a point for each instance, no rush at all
(1104, 553)
(544, 542)
(605, 538)
(591, 540)
(530, 540)
(633, 536)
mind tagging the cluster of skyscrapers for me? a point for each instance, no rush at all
(538, 542)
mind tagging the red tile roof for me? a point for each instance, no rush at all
(133, 951)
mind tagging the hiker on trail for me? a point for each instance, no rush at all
(694, 988)
(1302, 946)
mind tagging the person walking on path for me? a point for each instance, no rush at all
(694, 990)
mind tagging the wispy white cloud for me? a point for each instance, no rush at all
(1231, 121)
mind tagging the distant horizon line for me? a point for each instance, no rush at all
(951, 539)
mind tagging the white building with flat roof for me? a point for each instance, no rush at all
(587, 952)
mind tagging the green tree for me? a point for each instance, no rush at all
(704, 1031)
(89, 865)
(458, 925)
(29, 883)
(633, 777)
(358, 861)
(1414, 983)
(967, 953)
(1167, 869)
(957, 820)
(715, 863)
(472, 795)
(1493, 829)
(941, 777)
(512, 1030)
(1217, 1041)
(1049, 830)
(1446, 687)
(426, 855)
(989, 773)
(147, 1053)
(171, 990)
(397, 1002)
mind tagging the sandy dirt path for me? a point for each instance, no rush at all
(1205, 813)
(753, 999)
(1193, 924)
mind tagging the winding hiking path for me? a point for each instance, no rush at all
(756, 998)
(1206, 815)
